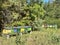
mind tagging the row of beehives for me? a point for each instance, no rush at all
(12, 30)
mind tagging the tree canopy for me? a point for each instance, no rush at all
(24, 12)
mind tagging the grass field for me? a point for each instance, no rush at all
(44, 37)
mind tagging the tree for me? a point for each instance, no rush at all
(37, 13)
(52, 13)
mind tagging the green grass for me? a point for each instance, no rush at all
(44, 37)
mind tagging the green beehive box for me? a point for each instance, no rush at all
(29, 29)
(18, 30)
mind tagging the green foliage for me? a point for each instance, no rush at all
(52, 13)
(38, 24)
(37, 13)
(24, 13)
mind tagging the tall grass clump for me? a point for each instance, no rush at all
(37, 24)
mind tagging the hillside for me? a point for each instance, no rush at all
(45, 37)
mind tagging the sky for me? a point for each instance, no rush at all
(43, 0)
(46, 0)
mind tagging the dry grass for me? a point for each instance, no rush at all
(45, 37)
